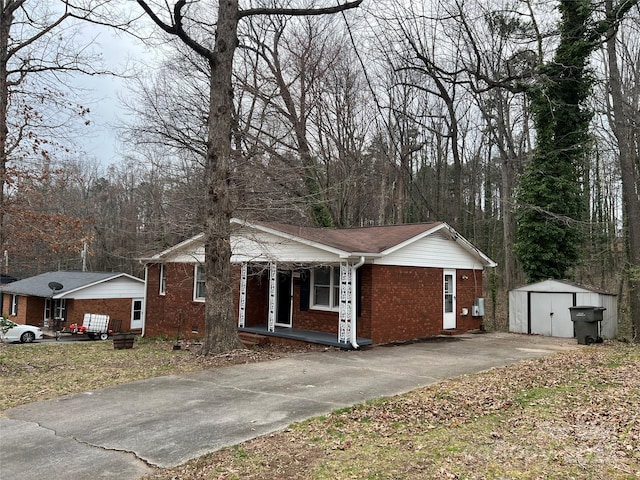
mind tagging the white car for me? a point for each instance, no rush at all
(20, 333)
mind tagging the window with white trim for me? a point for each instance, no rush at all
(325, 288)
(14, 305)
(163, 279)
(199, 284)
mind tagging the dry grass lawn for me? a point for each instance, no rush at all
(574, 415)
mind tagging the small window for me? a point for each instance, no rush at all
(163, 279)
(199, 287)
(14, 305)
(326, 288)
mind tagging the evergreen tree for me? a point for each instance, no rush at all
(550, 199)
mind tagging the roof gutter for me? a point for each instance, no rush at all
(354, 299)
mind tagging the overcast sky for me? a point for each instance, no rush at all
(101, 93)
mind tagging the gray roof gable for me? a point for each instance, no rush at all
(38, 286)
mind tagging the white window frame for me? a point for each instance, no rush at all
(13, 308)
(198, 279)
(334, 290)
(163, 280)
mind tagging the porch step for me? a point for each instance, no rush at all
(252, 339)
(452, 331)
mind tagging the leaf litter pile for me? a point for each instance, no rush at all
(574, 415)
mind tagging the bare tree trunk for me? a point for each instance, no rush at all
(220, 329)
(624, 133)
(6, 19)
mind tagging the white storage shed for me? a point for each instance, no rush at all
(543, 308)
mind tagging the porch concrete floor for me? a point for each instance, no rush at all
(310, 336)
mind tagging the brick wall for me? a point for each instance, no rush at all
(165, 314)
(31, 310)
(397, 303)
(22, 316)
(468, 289)
(33, 307)
(118, 309)
(407, 303)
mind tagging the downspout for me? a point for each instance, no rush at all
(146, 289)
(354, 299)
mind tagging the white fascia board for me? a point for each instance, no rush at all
(88, 285)
(294, 238)
(159, 257)
(472, 249)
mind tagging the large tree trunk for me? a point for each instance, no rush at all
(220, 329)
(624, 133)
(6, 19)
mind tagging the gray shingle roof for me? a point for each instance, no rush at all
(38, 286)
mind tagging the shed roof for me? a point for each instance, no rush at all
(71, 281)
(554, 285)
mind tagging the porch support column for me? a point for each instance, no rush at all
(273, 278)
(243, 296)
(344, 317)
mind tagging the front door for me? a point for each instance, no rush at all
(136, 313)
(285, 295)
(449, 299)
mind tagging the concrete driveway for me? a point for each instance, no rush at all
(118, 432)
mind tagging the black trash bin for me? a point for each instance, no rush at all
(586, 322)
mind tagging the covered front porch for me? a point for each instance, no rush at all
(275, 298)
(309, 336)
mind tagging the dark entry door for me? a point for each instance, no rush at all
(283, 311)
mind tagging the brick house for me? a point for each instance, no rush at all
(345, 287)
(32, 300)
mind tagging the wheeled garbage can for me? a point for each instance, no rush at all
(586, 321)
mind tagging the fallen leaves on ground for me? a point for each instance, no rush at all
(572, 415)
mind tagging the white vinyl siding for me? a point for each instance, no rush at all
(436, 251)
(122, 287)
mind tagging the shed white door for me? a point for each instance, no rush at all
(449, 299)
(550, 314)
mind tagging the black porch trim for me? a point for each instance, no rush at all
(310, 336)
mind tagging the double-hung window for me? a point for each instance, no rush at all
(199, 284)
(325, 288)
(60, 308)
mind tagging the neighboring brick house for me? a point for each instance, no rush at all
(33, 301)
(345, 287)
